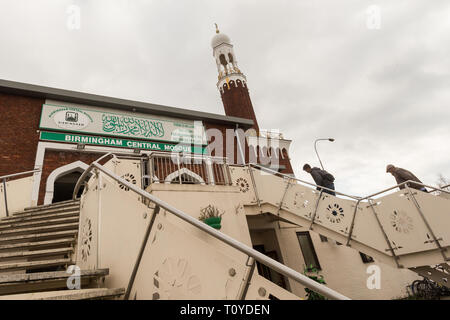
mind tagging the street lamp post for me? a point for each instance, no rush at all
(315, 148)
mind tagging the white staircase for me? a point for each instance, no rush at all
(36, 247)
(406, 228)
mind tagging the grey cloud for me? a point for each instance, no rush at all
(314, 70)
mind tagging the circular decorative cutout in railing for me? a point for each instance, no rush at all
(401, 222)
(335, 213)
(243, 184)
(129, 178)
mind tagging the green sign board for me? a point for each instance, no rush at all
(121, 143)
(131, 125)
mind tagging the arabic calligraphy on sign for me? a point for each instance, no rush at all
(132, 126)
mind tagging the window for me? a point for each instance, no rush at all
(307, 247)
(223, 60)
(323, 238)
(365, 258)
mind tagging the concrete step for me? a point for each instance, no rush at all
(83, 294)
(53, 205)
(30, 265)
(38, 244)
(39, 223)
(46, 281)
(38, 237)
(37, 230)
(25, 218)
(35, 253)
(41, 212)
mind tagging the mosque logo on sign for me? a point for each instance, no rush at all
(72, 119)
(72, 116)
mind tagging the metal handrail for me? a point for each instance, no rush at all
(358, 198)
(271, 263)
(19, 174)
(343, 194)
(86, 172)
(6, 177)
(305, 182)
(180, 158)
(442, 187)
(401, 184)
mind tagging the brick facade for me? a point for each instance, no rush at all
(237, 103)
(18, 136)
(250, 153)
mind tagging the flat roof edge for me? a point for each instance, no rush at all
(36, 91)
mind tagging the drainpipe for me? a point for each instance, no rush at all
(240, 151)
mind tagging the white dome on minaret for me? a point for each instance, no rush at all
(219, 39)
(226, 61)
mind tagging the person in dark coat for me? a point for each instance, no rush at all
(321, 178)
(403, 175)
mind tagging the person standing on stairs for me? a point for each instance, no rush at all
(403, 175)
(321, 178)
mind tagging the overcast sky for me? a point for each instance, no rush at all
(316, 68)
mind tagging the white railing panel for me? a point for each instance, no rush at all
(18, 194)
(270, 188)
(86, 255)
(127, 169)
(402, 223)
(171, 269)
(335, 213)
(123, 221)
(301, 200)
(436, 210)
(240, 177)
(367, 230)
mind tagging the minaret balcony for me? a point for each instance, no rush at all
(270, 139)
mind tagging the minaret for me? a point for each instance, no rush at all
(232, 82)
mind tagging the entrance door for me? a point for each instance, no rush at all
(64, 186)
(265, 271)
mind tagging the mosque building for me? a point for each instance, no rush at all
(56, 134)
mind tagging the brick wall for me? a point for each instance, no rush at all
(211, 140)
(19, 135)
(286, 161)
(237, 103)
(19, 120)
